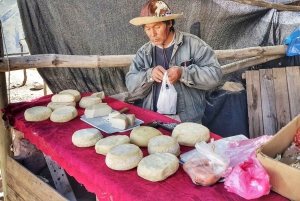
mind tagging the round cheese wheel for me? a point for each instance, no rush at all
(55, 105)
(158, 166)
(86, 137)
(188, 133)
(105, 144)
(37, 113)
(75, 93)
(141, 135)
(64, 114)
(163, 144)
(123, 157)
(63, 98)
(89, 100)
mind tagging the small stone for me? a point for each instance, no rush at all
(37, 85)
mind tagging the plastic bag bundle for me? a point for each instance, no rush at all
(206, 166)
(167, 99)
(293, 42)
(248, 179)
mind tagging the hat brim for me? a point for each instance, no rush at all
(148, 20)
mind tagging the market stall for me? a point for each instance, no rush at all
(89, 168)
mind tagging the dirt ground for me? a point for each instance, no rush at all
(16, 92)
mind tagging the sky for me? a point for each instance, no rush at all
(12, 27)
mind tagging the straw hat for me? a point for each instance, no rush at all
(154, 11)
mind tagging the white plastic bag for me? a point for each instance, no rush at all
(206, 166)
(167, 100)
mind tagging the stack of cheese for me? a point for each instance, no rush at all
(91, 100)
(60, 109)
(121, 121)
(63, 105)
(67, 97)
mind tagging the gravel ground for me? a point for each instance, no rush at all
(16, 92)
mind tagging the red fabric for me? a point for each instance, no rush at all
(89, 168)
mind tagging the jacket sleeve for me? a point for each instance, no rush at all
(139, 78)
(205, 73)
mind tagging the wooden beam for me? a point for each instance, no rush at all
(281, 97)
(5, 139)
(29, 186)
(250, 52)
(232, 67)
(293, 79)
(268, 101)
(256, 128)
(265, 4)
(96, 61)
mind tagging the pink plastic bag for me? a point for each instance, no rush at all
(248, 179)
(238, 151)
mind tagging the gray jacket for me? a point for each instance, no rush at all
(203, 72)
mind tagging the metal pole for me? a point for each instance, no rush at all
(5, 137)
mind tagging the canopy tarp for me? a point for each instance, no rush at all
(94, 27)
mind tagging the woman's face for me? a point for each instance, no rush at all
(159, 33)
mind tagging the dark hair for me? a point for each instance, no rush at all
(168, 22)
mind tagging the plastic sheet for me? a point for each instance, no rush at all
(292, 36)
(294, 47)
(248, 179)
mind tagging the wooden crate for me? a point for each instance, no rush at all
(23, 185)
(273, 97)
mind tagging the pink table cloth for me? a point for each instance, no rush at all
(89, 168)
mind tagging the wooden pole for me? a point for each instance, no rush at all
(269, 5)
(232, 67)
(250, 52)
(5, 138)
(95, 61)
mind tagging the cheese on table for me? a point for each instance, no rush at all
(188, 133)
(105, 144)
(123, 157)
(86, 137)
(64, 114)
(99, 94)
(88, 101)
(158, 166)
(120, 122)
(73, 92)
(63, 98)
(113, 114)
(55, 105)
(163, 144)
(130, 119)
(97, 110)
(141, 135)
(37, 113)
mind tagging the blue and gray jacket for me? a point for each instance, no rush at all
(201, 71)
